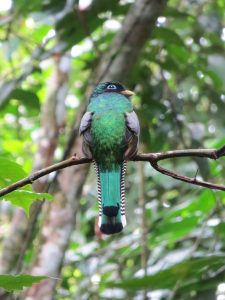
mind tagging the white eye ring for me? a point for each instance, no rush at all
(111, 87)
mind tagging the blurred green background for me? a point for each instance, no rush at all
(52, 53)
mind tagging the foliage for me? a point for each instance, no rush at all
(179, 85)
(11, 172)
(18, 282)
(182, 272)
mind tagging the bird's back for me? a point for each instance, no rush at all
(108, 128)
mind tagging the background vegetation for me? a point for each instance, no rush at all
(171, 53)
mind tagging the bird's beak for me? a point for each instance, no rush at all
(127, 93)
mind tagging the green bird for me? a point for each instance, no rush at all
(110, 130)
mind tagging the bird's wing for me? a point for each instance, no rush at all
(84, 130)
(132, 134)
(85, 122)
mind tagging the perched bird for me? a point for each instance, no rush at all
(110, 130)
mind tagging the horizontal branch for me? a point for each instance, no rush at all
(74, 160)
(208, 153)
(193, 180)
(152, 158)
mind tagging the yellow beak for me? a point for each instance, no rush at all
(127, 93)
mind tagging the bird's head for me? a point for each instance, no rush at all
(111, 87)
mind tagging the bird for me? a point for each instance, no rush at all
(110, 130)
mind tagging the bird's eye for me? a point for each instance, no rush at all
(111, 87)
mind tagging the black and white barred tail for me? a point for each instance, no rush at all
(122, 194)
(122, 206)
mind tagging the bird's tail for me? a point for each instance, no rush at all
(111, 198)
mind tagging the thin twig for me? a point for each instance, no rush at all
(152, 158)
(193, 180)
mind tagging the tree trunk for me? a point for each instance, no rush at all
(126, 47)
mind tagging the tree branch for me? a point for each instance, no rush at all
(74, 160)
(152, 158)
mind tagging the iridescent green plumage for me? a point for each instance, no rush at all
(110, 129)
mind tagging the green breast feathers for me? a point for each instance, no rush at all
(110, 130)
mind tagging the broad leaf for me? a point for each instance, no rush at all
(28, 98)
(11, 172)
(18, 282)
(24, 198)
(189, 270)
(168, 36)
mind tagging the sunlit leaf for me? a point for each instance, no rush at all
(24, 199)
(11, 172)
(18, 282)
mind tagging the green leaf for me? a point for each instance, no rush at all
(180, 54)
(18, 282)
(9, 91)
(216, 79)
(168, 36)
(28, 98)
(174, 12)
(174, 230)
(216, 64)
(191, 269)
(24, 198)
(11, 172)
(23, 7)
(200, 205)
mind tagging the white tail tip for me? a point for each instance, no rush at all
(123, 220)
